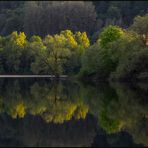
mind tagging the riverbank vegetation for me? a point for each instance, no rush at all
(57, 54)
(118, 54)
(77, 45)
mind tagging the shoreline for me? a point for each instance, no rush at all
(32, 76)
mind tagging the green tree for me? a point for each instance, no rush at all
(97, 63)
(131, 57)
(57, 52)
(77, 43)
(50, 54)
(39, 64)
(13, 47)
(110, 34)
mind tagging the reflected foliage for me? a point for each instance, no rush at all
(128, 112)
(117, 107)
(49, 100)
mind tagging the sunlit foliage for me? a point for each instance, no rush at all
(110, 34)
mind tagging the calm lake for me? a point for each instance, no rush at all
(41, 112)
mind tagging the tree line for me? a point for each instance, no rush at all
(57, 54)
(118, 53)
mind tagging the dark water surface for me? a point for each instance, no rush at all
(41, 112)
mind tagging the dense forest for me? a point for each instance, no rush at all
(98, 40)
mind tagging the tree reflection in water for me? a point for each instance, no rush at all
(49, 100)
(115, 108)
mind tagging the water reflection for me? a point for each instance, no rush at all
(33, 131)
(113, 109)
(52, 101)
